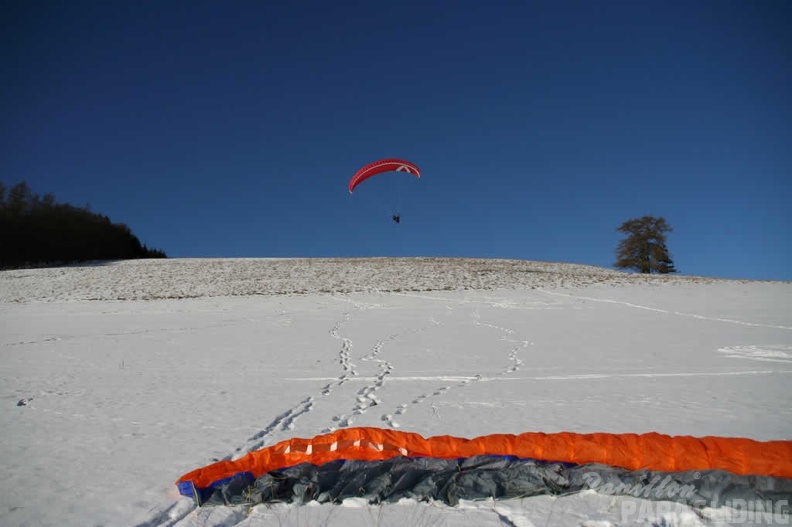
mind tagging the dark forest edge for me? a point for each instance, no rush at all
(38, 231)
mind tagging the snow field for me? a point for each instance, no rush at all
(107, 402)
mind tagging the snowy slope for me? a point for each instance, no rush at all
(194, 278)
(118, 378)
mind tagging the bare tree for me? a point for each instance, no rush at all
(644, 249)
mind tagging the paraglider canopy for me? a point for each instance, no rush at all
(381, 166)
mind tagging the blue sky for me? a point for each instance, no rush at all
(231, 129)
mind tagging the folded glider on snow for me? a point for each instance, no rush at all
(386, 465)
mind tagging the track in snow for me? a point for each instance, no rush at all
(514, 365)
(665, 311)
(366, 397)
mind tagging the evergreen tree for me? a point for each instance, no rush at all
(644, 249)
(41, 231)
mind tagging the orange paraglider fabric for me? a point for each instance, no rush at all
(650, 451)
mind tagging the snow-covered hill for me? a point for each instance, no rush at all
(116, 379)
(193, 278)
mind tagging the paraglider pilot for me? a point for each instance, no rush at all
(396, 218)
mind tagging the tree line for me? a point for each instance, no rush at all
(38, 230)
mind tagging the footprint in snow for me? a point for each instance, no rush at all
(389, 421)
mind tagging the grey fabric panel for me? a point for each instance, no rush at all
(481, 477)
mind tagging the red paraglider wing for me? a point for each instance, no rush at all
(383, 165)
